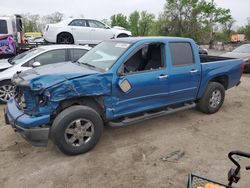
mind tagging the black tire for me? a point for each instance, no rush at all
(65, 38)
(209, 105)
(66, 118)
(122, 35)
(5, 86)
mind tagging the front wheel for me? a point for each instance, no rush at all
(6, 91)
(212, 99)
(77, 130)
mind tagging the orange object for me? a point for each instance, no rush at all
(211, 185)
(238, 38)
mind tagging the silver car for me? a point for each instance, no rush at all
(242, 52)
(42, 55)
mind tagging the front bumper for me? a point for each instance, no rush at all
(30, 127)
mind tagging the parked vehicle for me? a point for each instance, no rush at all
(11, 35)
(118, 82)
(34, 37)
(82, 31)
(202, 51)
(195, 181)
(238, 38)
(35, 57)
(242, 52)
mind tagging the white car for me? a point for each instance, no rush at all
(42, 55)
(82, 31)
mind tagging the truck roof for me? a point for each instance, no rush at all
(151, 39)
(5, 18)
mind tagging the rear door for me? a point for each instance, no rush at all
(185, 72)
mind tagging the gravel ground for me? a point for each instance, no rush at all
(132, 156)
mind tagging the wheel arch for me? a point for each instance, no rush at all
(5, 80)
(122, 35)
(95, 102)
(223, 80)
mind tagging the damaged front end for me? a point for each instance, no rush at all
(35, 105)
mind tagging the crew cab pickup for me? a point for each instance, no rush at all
(119, 82)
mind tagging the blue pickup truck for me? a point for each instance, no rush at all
(119, 82)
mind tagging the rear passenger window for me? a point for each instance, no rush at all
(55, 56)
(181, 53)
(78, 22)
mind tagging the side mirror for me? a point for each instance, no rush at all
(121, 71)
(36, 64)
(107, 27)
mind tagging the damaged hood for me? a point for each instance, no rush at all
(50, 75)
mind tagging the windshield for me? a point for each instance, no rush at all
(25, 55)
(243, 49)
(104, 55)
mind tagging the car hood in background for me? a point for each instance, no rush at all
(4, 64)
(49, 75)
(235, 55)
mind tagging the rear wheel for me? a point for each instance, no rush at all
(212, 99)
(65, 38)
(77, 130)
(6, 91)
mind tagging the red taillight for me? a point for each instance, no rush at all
(241, 68)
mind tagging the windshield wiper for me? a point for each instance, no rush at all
(87, 64)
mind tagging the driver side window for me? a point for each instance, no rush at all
(149, 57)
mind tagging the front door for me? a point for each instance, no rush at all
(99, 32)
(143, 81)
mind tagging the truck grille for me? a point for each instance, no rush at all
(24, 99)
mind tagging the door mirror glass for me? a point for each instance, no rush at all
(107, 27)
(36, 64)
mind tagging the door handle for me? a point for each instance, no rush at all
(92, 29)
(194, 71)
(162, 76)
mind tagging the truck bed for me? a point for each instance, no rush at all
(208, 59)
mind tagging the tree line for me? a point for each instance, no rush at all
(201, 20)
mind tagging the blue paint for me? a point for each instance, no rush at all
(63, 81)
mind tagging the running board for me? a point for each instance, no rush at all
(146, 116)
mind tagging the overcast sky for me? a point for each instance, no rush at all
(100, 9)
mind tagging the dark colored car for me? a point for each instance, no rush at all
(202, 51)
(242, 52)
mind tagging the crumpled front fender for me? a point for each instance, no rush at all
(92, 85)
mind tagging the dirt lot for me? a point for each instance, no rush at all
(131, 156)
